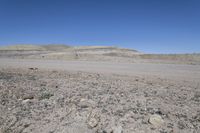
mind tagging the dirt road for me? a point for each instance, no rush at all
(168, 71)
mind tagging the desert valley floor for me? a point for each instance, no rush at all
(91, 96)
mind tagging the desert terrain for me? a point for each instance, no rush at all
(97, 89)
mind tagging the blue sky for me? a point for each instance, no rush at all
(151, 26)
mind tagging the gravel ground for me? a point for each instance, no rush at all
(58, 101)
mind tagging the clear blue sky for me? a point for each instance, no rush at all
(152, 26)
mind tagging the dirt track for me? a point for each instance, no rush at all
(169, 71)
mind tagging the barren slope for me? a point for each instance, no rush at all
(94, 53)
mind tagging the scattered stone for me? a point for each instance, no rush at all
(156, 120)
(181, 125)
(117, 129)
(25, 101)
(29, 96)
(33, 68)
(45, 95)
(84, 103)
(86, 107)
(93, 119)
(92, 122)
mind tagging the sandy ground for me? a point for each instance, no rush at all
(53, 96)
(169, 71)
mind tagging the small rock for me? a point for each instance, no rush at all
(29, 96)
(181, 125)
(33, 68)
(93, 118)
(25, 101)
(92, 122)
(84, 103)
(117, 129)
(156, 120)
(45, 95)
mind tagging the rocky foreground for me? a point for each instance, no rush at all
(33, 100)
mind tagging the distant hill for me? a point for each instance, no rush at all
(95, 53)
(28, 47)
(60, 47)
